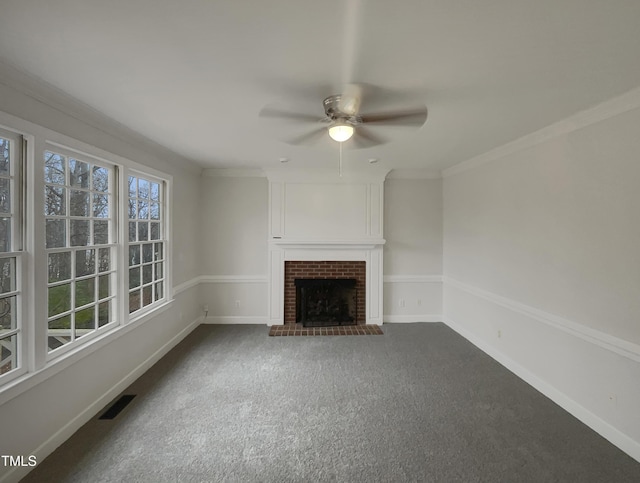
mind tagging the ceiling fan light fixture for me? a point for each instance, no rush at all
(341, 132)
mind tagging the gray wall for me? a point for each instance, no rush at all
(541, 267)
(39, 414)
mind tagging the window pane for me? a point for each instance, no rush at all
(8, 354)
(59, 299)
(104, 259)
(85, 262)
(100, 179)
(5, 195)
(7, 314)
(59, 266)
(147, 252)
(104, 286)
(143, 189)
(5, 234)
(5, 161)
(104, 313)
(79, 233)
(85, 321)
(56, 233)
(155, 191)
(143, 230)
(147, 296)
(147, 274)
(134, 255)
(159, 290)
(133, 187)
(134, 277)
(159, 274)
(100, 232)
(101, 206)
(133, 210)
(55, 203)
(134, 301)
(132, 231)
(158, 251)
(7, 275)
(79, 203)
(143, 210)
(154, 210)
(155, 231)
(78, 173)
(85, 291)
(59, 332)
(54, 168)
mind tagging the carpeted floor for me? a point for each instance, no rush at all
(418, 403)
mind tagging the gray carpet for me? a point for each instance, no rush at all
(419, 403)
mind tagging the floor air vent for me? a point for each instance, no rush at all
(117, 406)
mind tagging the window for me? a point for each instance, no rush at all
(80, 246)
(10, 252)
(83, 247)
(147, 244)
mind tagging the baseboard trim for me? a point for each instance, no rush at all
(606, 430)
(64, 433)
(411, 319)
(235, 319)
(606, 341)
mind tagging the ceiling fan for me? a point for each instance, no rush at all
(345, 119)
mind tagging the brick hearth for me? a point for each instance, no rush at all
(324, 269)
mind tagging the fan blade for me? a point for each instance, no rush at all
(416, 117)
(292, 116)
(364, 138)
(309, 138)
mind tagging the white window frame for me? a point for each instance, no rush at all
(36, 363)
(112, 245)
(164, 186)
(17, 200)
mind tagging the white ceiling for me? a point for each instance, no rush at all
(193, 75)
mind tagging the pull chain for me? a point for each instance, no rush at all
(341, 160)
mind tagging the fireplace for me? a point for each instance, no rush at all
(326, 302)
(339, 282)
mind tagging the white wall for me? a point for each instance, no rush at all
(413, 251)
(233, 266)
(542, 263)
(39, 414)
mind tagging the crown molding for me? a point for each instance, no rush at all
(419, 173)
(377, 175)
(233, 173)
(600, 112)
(57, 99)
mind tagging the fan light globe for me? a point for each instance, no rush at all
(341, 132)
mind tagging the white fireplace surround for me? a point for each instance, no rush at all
(370, 253)
(326, 218)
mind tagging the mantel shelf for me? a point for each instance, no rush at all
(328, 244)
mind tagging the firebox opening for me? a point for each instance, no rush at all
(322, 302)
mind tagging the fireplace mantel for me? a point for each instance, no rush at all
(370, 253)
(367, 244)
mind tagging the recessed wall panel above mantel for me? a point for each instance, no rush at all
(326, 209)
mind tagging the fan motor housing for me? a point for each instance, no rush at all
(332, 110)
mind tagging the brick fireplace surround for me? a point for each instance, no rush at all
(323, 269)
